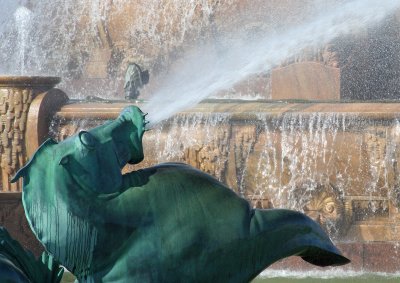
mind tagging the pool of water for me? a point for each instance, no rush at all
(280, 276)
(364, 279)
(371, 279)
(326, 276)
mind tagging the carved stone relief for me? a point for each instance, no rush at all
(370, 210)
(14, 106)
(211, 158)
(325, 204)
(378, 169)
(245, 137)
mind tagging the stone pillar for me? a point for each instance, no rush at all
(16, 96)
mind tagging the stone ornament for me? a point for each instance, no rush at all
(16, 96)
(13, 110)
(167, 223)
(135, 79)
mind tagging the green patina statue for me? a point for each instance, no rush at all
(135, 79)
(20, 266)
(168, 223)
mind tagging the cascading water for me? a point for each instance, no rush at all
(289, 159)
(23, 20)
(69, 37)
(313, 162)
(197, 47)
(339, 168)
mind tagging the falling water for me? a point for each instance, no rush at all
(72, 38)
(70, 35)
(23, 20)
(287, 160)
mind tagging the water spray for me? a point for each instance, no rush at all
(207, 71)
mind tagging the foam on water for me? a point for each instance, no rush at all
(324, 274)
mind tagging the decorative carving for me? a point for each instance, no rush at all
(323, 207)
(211, 158)
(324, 204)
(375, 143)
(367, 210)
(14, 106)
(16, 95)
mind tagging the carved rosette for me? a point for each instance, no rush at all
(323, 203)
(16, 96)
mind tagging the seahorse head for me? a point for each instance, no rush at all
(62, 181)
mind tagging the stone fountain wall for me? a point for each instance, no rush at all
(89, 44)
(336, 162)
(18, 96)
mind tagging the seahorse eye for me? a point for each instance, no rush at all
(87, 139)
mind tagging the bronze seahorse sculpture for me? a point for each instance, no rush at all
(167, 223)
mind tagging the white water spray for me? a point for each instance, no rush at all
(23, 17)
(208, 70)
